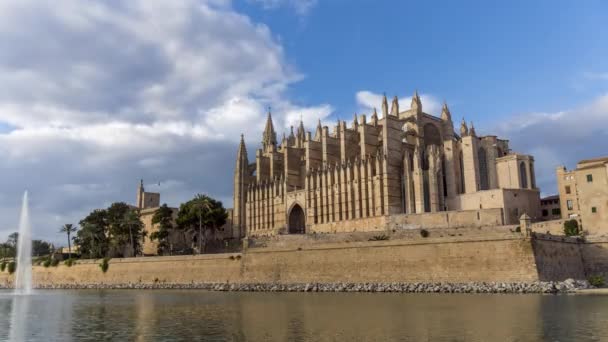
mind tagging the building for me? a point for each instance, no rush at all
(404, 162)
(583, 194)
(147, 204)
(550, 208)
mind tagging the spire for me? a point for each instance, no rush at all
(301, 132)
(355, 121)
(464, 130)
(319, 131)
(472, 130)
(395, 107)
(445, 112)
(384, 106)
(291, 140)
(269, 137)
(375, 117)
(416, 105)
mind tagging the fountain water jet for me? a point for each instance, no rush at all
(23, 274)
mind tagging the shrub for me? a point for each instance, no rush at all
(69, 262)
(238, 257)
(518, 229)
(596, 280)
(424, 233)
(2, 266)
(382, 237)
(571, 228)
(46, 263)
(232, 257)
(54, 262)
(104, 265)
(12, 267)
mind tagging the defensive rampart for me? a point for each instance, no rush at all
(454, 259)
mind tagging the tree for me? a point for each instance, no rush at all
(135, 228)
(163, 217)
(571, 228)
(92, 238)
(13, 239)
(40, 248)
(68, 228)
(202, 214)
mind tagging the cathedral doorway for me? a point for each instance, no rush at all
(296, 220)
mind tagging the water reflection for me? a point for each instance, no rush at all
(213, 316)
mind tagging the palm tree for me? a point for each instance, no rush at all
(68, 228)
(203, 206)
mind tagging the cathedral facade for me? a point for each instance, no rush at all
(402, 162)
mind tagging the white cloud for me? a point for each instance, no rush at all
(368, 100)
(560, 138)
(302, 7)
(105, 93)
(603, 76)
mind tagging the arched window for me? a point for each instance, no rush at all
(461, 164)
(483, 169)
(523, 175)
(432, 136)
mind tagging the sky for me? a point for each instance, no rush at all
(96, 95)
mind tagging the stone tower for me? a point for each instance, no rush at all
(241, 181)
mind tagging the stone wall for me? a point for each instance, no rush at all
(558, 258)
(553, 227)
(444, 219)
(497, 260)
(595, 257)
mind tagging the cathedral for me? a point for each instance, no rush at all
(402, 163)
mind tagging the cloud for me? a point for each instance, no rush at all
(111, 92)
(602, 76)
(368, 100)
(560, 138)
(301, 7)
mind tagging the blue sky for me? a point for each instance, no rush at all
(489, 60)
(99, 94)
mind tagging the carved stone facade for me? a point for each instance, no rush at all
(400, 163)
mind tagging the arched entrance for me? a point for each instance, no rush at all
(296, 220)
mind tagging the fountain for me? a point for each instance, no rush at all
(23, 274)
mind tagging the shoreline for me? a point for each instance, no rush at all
(552, 287)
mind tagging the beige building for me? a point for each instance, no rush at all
(583, 194)
(148, 203)
(550, 208)
(405, 162)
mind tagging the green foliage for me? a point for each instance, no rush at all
(163, 217)
(382, 237)
(115, 231)
(596, 280)
(424, 233)
(2, 266)
(104, 265)
(69, 262)
(46, 263)
(9, 248)
(40, 248)
(12, 267)
(571, 228)
(68, 229)
(54, 262)
(200, 216)
(92, 237)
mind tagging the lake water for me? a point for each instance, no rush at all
(189, 315)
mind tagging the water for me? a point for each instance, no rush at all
(23, 274)
(172, 315)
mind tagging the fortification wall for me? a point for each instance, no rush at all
(498, 260)
(445, 219)
(595, 257)
(553, 227)
(558, 258)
